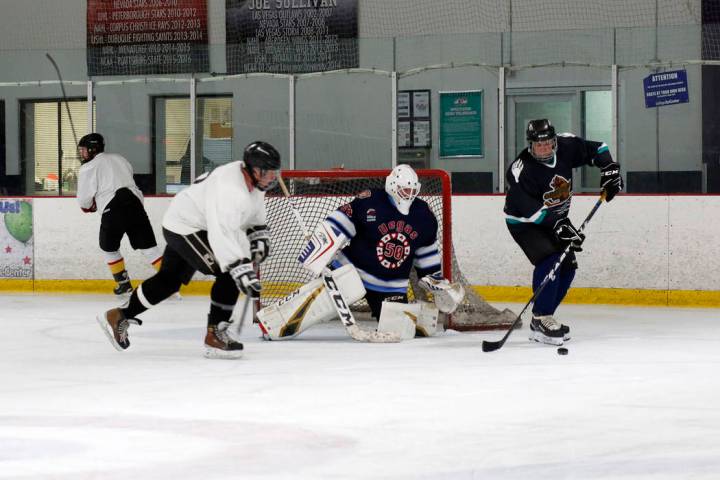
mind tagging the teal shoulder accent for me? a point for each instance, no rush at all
(603, 148)
(541, 217)
(515, 220)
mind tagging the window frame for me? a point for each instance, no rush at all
(22, 110)
(162, 189)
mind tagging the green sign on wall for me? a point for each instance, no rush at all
(461, 124)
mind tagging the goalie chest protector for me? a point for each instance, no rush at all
(385, 241)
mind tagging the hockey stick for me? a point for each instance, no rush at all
(489, 346)
(65, 97)
(338, 301)
(243, 315)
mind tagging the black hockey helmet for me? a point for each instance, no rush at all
(94, 142)
(540, 131)
(261, 155)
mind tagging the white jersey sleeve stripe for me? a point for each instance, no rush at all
(373, 280)
(343, 222)
(426, 250)
(428, 262)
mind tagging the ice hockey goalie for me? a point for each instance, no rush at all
(372, 244)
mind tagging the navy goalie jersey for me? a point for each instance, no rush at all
(385, 244)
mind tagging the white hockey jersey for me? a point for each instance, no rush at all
(101, 177)
(221, 204)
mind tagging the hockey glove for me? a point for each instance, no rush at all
(91, 209)
(259, 238)
(567, 234)
(245, 278)
(448, 296)
(610, 180)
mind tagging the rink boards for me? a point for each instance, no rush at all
(649, 250)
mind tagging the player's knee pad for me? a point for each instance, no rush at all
(154, 254)
(112, 257)
(409, 319)
(309, 305)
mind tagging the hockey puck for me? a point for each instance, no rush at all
(562, 351)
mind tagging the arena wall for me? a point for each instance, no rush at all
(639, 250)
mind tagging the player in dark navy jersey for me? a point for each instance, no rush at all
(536, 213)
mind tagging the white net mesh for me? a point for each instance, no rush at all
(317, 194)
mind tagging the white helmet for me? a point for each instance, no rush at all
(402, 185)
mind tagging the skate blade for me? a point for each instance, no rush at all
(218, 354)
(540, 338)
(107, 329)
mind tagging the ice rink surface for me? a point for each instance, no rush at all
(638, 397)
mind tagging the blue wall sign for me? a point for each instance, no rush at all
(666, 88)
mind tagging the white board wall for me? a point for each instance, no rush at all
(645, 242)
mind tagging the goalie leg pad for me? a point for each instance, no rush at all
(309, 305)
(409, 319)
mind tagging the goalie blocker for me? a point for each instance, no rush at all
(321, 248)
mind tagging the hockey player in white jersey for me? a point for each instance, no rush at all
(376, 240)
(105, 183)
(215, 226)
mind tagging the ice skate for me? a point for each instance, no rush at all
(566, 332)
(545, 329)
(218, 343)
(123, 289)
(115, 326)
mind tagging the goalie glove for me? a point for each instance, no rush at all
(245, 278)
(259, 238)
(448, 296)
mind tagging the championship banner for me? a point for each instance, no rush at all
(291, 36)
(143, 37)
(16, 238)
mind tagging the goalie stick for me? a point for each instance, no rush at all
(489, 346)
(338, 301)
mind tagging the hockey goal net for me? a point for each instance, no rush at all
(316, 194)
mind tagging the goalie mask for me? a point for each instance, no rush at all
(93, 143)
(403, 186)
(266, 159)
(542, 140)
